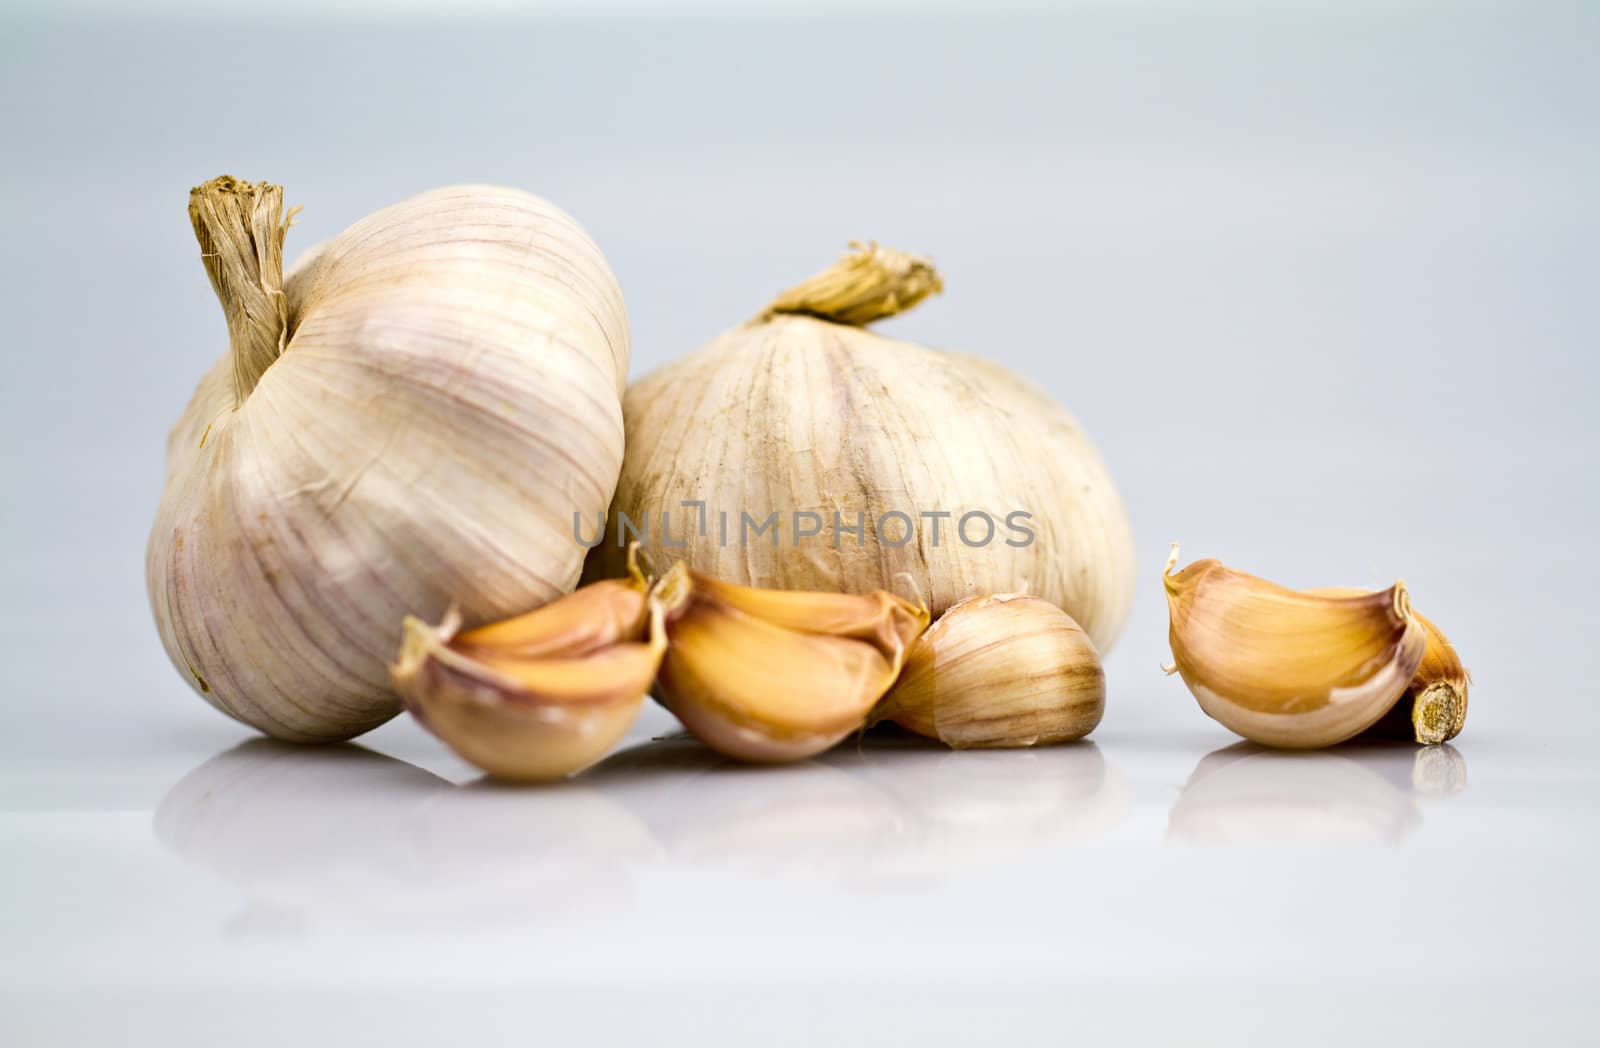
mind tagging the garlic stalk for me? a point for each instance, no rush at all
(408, 419)
(801, 451)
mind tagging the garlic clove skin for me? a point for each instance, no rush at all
(804, 413)
(584, 621)
(407, 420)
(541, 712)
(1295, 670)
(1001, 671)
(771, 677)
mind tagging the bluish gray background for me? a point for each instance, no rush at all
(1318, 278)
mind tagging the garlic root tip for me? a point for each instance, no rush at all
(1434, 713)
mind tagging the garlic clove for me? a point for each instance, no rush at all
(538, 697)
(588, 619)
(769, 676)
(879, 617)
(1000, 671)
(1291, 669)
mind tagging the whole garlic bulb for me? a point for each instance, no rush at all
(409, 420)
(804, 413)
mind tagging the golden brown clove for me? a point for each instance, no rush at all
(542, 695)
(1284, 668)
(773, 675)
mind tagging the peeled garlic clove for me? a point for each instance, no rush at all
(872, 458)
(1285, 668)
(1434, 706)
(767, 676)
(540, 696)
(436, 389)
(1000, 671)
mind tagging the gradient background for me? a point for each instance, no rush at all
(1319, 278)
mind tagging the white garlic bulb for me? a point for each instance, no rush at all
(961, 477)
(408, 421)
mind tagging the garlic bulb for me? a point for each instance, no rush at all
(802, 452)
(409, 419)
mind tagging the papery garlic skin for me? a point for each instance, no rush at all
(441, 395)
(1295, 670)
(1000, 671)
(801, 411)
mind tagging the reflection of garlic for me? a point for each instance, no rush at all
(968, 810)
(1241, 794)
(1289, 669)
(767, 675)
(340, 835)
(999, 671)
(435, 390)
(302, 829)
(1438, 771)
(801, 819)
(542, 695)
(872, 458)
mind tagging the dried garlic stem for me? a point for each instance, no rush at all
(868, 283)
(240, 226)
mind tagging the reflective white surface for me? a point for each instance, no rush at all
(1146, 885)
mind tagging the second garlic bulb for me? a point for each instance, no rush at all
(802, 451)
